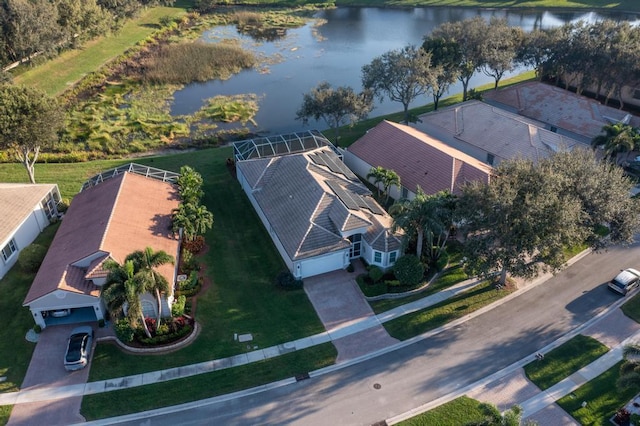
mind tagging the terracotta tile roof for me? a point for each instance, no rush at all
(492, 130)
(418, 159)
(118, 216)
(558, 107)
(17, 201)
(303, 211)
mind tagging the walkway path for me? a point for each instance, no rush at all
(504, 388)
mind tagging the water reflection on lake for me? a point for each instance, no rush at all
(336, 50)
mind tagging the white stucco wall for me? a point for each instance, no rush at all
(23, 236)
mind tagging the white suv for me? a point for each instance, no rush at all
(625, 281)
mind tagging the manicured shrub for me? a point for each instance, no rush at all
(37, 328)
(188, 262)
(177, 309)
(123, 330)
(31, 257)
(375, 273)
(191, 286)
(101, 323)
(350, 268)
(287, 281)
(195, 245)
(63, 205)
(408, 270)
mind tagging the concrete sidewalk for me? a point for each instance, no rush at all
(332, 334)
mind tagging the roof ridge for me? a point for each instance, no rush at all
(113, 209)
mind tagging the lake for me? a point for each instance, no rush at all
(335, 48)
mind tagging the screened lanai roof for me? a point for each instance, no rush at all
(270, 146)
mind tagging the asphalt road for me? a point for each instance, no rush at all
(389, 385)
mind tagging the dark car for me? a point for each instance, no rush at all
(78, 348)
(625, 281)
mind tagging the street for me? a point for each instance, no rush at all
(391, 384)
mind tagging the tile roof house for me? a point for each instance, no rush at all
(419, 160)
(318, 213)
(491, 134)
(560, 110)
(26, 209)
(108, 220)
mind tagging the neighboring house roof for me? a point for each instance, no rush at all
(494, 130)
(112, 219)
(559, 107)
(17, 201)
(418, 158)
(304, 197)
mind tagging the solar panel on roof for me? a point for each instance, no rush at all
(373, 206)
(343, 195)
(317, 159)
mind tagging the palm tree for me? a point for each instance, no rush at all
(145, 263)
(378, 175)
(617, 139)
(630, 368)
(426, 216)
(123, 288)
(390, 178)
(190, 185)
(194, 219)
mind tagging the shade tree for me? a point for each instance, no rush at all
(446, 55)
(336, 106)
(401, 75)
(29, 121)
(521, 223)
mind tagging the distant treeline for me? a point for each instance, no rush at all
(41, 28)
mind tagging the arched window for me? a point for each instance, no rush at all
(148, 309)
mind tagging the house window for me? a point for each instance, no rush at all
(49, 205)
(392, 257)
(148, 310)
(356, 245)
(9, 249)
(405, 192)
(377, 257)
(490, 159)
(553, 129)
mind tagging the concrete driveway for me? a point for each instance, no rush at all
(339, 302)
(45, 370)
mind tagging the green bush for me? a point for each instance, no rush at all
(63, 205)
(101, 323)
(392, 283)
(408, 270)
(123, 330)
(162, 339)
(177, 309)
(375, 273)
(287, 281)
(31, 257)
(191, 286)
(350, 268)
(37, 328)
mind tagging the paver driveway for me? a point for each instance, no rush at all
(46, 369)
(339, 302)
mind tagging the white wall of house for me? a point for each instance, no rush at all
(321, 264)
(384, 260)
(24, 235)
(362, 168)
(61, 299)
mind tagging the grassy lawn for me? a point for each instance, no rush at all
(602, 397)
(447, 278)
(631, 308)
(63, 71)
(411, 325)
(460, 411)
(241, 262)
(206, 385)
(15, 351)
(564, 360)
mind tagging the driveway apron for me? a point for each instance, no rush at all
(339, 303)
(46, 369)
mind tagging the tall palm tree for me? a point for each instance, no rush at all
(123, 288)
(145, 263)
(425, 216)
(389, 179)
(194, 219)
(617, 139)
(378, 175)
(630, 368)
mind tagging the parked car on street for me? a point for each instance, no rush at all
(625, 281)
(78, 348)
